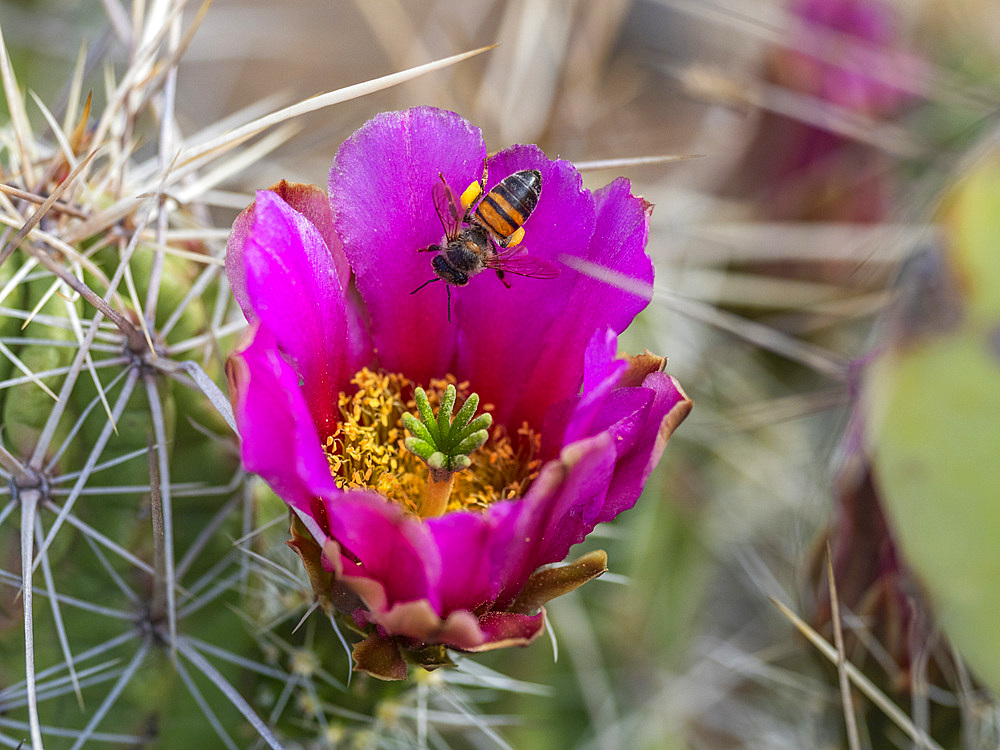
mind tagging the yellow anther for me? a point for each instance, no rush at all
(367, 450)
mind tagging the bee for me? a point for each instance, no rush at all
(487, 234)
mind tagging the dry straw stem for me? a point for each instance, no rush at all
(853, 740)
(859, 680)
(235, 137)
(759, 334)
(43, 209)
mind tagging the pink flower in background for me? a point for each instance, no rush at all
(843, 71)
(338, 345)
(847, 54)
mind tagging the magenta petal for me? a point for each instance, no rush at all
(308, 200)
(618, 245)
(391, 548)
(381, 186)
(573, 419)
(558, 511)
(279, 441)
(504, 332)
(503, 629)
(668, 407)
(297, 295)
(463, 538)
(493, 540)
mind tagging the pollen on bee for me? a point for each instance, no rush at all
(471, 194)
(367, 448)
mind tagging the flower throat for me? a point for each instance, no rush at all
(367, 450)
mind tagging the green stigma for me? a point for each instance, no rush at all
(444, 443)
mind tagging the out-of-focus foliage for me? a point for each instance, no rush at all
(933, 401)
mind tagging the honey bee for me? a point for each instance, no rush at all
(487, 234)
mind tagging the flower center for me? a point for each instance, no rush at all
(367, 448)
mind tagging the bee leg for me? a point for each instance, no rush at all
(430, 249)
(502, 279)
(448, 289)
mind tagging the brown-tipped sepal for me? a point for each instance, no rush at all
(311, 555)
(548, 583)
(379, 657)
(639, 366)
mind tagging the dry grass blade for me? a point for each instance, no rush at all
(751, 331)
(32, 198)
(43, 209)
(16, 361)
(811, 110)
(853, 740)
(18, 115)
(862, 683)
(633, 161)
(238, 135)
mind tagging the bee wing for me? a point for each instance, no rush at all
(446, 207)
(522, 264)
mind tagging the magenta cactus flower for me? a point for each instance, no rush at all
(433, 533)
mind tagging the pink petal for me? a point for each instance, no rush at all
(503, 629)
(387, 547)
(279, 441)
(618, 245)
(504, 332)
(667, 409)
(381, 186)
(308, 200)
(293, 284)
(558, 512)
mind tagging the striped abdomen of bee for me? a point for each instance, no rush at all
(504, 209)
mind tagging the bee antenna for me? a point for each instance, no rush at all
(424, 284)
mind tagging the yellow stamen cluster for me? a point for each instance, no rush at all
(367, 449)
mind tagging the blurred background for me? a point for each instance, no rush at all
(798, 251)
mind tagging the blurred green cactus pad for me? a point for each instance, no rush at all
(933, 401)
